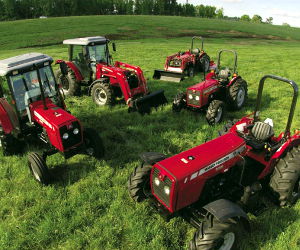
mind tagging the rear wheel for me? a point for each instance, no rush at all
(102, 93)
(215, 112)
(38, 168)
(179, 102)
(70, 85)
(93, 143)
(139, 183)
(214, 234)
(285, 180)
(191, 71)
(9, 144)
(237, 94)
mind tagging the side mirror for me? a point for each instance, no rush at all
(63, 68)
(114, 47)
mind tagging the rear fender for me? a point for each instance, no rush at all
(73, 67)
(233, 80)
(224, 209)
(293, 142)
(8, 118)
(152, 157)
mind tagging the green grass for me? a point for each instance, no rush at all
(88, 206)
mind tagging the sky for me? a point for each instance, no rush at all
(282, 11)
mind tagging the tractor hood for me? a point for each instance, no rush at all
(182, 55)
(207, 85)
(204, 159)
(53, 117)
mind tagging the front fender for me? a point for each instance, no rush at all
(152, 157)
(73, 67)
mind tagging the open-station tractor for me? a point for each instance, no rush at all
(214, 185)
(32, 107)
(90, 64)
(183, 64)
(219, 87)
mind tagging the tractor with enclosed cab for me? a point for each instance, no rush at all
(90, 64)
(32, 109)
(223, 86)
(247, 169)
(183, 64)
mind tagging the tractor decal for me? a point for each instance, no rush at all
(42, 120)
(218, 163)
(210, 89)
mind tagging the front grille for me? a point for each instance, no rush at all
(159, 190)
(175, 63)
(193, 101)
(73, 139)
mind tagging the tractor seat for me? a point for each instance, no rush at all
(195, 51)
(262, 131)
(224, 73)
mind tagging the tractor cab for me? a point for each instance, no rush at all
(87, 52)
(27, 79)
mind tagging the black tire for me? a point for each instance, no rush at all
(179, 102)
(285, 180)
(102, 93)
(215, 112)
(227, 127)
(93, 143)
(70, 85)
(214, 234)
(139, 183)
(9, 144)
(205, 63)
(237, 94)
(38, 168)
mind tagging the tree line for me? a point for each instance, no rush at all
(24, 9)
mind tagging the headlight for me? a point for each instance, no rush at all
(190, 96)
(65, 136)
(167, 190)
(197, 98)
(76, 131)
(156, 181)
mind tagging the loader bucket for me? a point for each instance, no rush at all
(144, 104)
(168, 76)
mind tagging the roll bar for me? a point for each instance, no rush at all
(235, 58)
(293, 105)
(197, 37)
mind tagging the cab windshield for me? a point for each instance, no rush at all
(98, 53)
(25, 86)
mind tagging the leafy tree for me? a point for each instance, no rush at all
(220, 13)
(269, 20)
(256, 19)
(245, 18)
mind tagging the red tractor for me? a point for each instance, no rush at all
(90, 64)
(183, 64)
(31, 107)
(216, 184)
(220, 87)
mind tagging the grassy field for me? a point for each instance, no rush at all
(88, 206)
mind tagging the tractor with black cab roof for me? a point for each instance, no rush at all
(220, 88)
(90, 64)
(32, 108)
(247, 169)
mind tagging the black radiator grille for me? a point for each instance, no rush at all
(73, 139)
(159, 190)
(193, 101)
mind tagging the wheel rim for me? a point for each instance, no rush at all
(240, 97)
(228, 241)
(191, 72)
(101, 96)
(219, 115)
(35, 174)
(89, 147)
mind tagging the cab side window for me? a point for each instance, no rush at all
(4, 90)
(79, 53)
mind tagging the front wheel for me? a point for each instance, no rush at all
(38, 168)
(102, 93)
(285, 180)
(179, 102)
(237, 94)
(214, 234)
(191, 71)
(215, 112)
(139, 183)
(93, 143)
